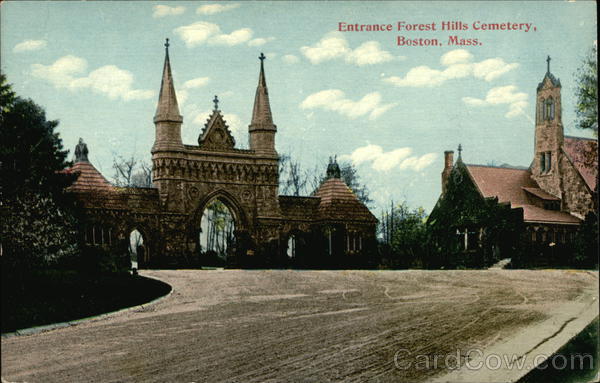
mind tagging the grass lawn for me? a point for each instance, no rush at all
(51, 296)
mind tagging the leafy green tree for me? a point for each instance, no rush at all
(37, 216)
(352, 179)
(31, 152)
(587, 92)
(404, 233)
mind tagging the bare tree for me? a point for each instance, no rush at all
(132, 172)
(292, 179)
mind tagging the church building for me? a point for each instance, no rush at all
(493, 212)
(330, 229)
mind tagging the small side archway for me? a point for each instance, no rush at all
(137, 243)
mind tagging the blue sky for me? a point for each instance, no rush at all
(392, 110)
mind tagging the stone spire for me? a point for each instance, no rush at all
(261, 114)
(167, 108)
(261, 129)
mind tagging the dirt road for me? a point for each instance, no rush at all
(297, 326)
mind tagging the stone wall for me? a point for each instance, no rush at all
(576, 196)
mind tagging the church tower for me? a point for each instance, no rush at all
(167, 119)
(549, 134)
(262, 130)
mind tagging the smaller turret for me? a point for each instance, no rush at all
(167, 119)
(262, 130)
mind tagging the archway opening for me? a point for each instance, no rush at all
(291, 247)
(216, 238)
(137, 250)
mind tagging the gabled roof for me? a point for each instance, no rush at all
(338, 202)
(216, 134)
(583, 153)
(89, 179)
(512, 185)
(505, 183)
(553, 81)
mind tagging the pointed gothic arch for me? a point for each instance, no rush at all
(241, 239)
(229, 200)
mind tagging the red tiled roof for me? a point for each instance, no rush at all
(541, 194)
(338, 202)
(511, 185)
(537, 214)
(505, 183)
(583, 152)
(89, 179)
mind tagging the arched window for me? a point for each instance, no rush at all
(549, 109)
(541, 110)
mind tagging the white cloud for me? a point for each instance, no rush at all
(365, 153)
(290, 59)
(203, 32)
(368, 53)
(418, 163)
(335, 100)
(196, 82)
(30, 45)
(165, 10)
(389, 160)
(334, 45)
(458, 65)
(67, 72)
(260, 41)
(492, 68)
(503, 95)
(61, 72)
(211, 9)
(456, 56)
(383, 161)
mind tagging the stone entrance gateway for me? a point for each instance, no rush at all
(188, 178)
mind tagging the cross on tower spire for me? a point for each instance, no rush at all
(548, 63)
(459, 150)
(216, 102)
(167, 43)
(262, 57)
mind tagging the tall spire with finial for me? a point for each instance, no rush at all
(262, 130)
(167, 108)
(460, 149)
(261, 114)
